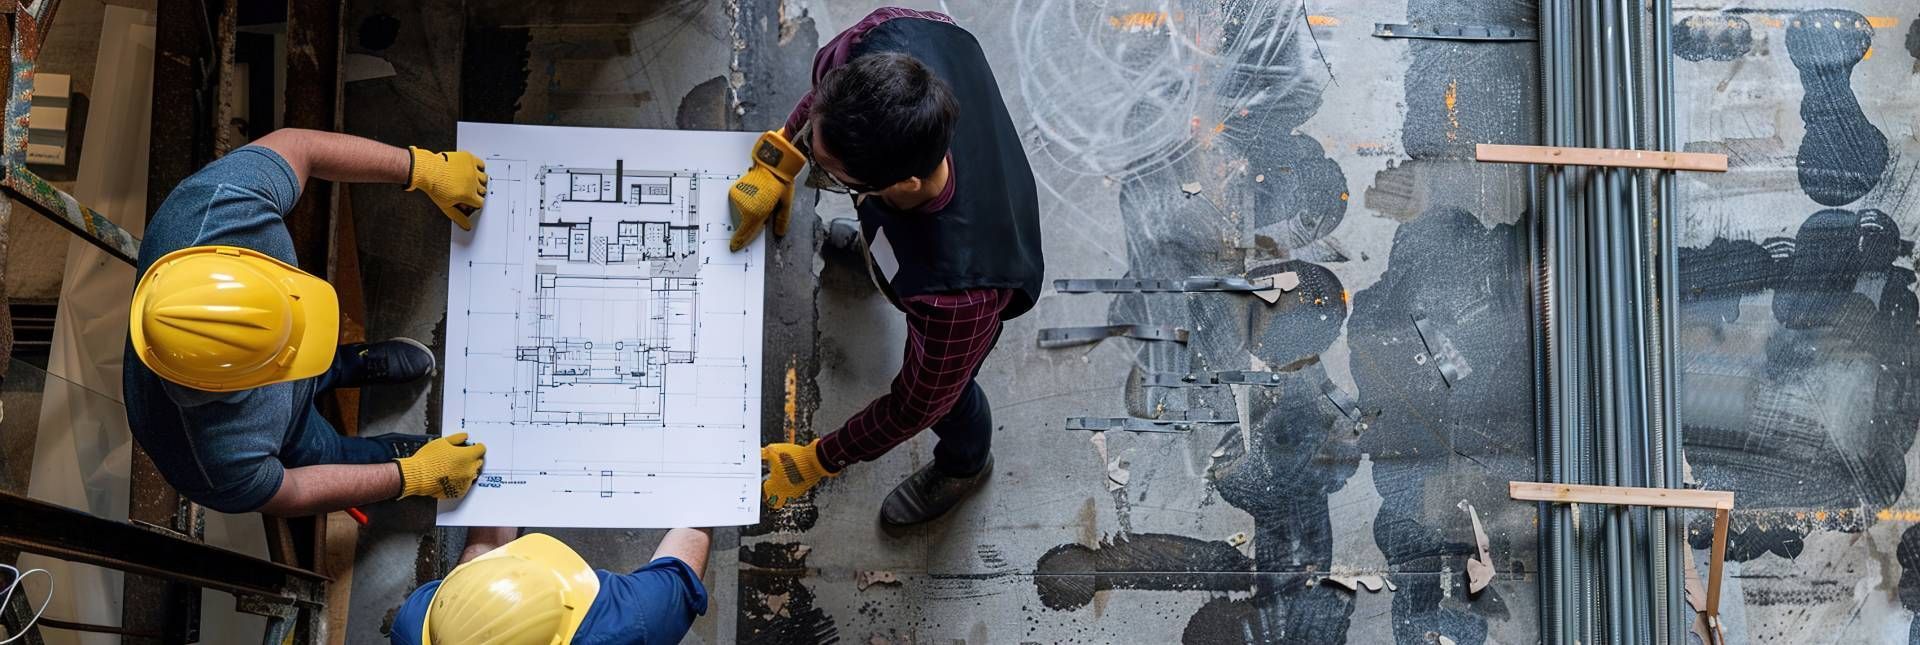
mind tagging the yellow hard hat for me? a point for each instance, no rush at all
(531, 591)
(224, 318)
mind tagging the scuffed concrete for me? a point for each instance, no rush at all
(1317, 149)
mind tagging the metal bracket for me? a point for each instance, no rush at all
(1267, 288)
(1341, 399)
(1153, 285)
(1071, 336)
(1446, 358)
(1212, 379)
(1492, 33)
(1136, 424)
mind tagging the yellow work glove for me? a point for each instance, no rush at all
(766, 192)
(792, 470)
(444, 468)
(455, 181)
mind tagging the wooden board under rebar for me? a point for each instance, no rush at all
(1718, 501)
(1561, 156)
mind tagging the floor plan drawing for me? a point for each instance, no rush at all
(601, 339)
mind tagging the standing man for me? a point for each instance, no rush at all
(906, 117)
(229, 344)
(536, 591)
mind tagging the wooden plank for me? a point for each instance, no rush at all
(341, 541)
(1718, 559)
(1559, 156)
(1587, 494)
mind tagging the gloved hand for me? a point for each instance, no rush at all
(792, 470)
(455, 181)
(766, 192)
(444, 468)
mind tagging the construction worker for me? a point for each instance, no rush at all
(536, 591)
(905, 116)
(229, 344)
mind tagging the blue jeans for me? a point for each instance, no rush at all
(313, 441)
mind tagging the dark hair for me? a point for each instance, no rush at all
(885, 117)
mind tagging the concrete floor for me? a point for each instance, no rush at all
(1316, 149)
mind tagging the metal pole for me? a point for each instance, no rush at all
(1669, 299)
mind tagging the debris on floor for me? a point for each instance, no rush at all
(1479, 568)
(864, 579)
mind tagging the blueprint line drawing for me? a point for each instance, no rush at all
(601, 339)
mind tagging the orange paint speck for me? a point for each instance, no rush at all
(1882, 22)
(1868, 55)
(1323, 21)
(793, 397)
(1343, 196)
(1220, 128)
(1137, 21)
(1453, 113)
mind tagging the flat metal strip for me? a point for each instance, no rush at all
(1212, 379)
(1135, 424)
(1446, 358)
(1070, 336)
(1341, 399)
(1493, 33)
(1154, 285)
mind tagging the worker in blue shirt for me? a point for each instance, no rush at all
(536, 591)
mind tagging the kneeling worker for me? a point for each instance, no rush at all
(536, 591)
(906, 117)
(229, 344)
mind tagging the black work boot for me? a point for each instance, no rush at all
(928, 494)
(398, 360)
(843, 234)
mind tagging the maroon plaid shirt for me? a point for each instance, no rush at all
(948, 336)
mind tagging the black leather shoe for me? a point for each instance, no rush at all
(399, 360)
(929, 494)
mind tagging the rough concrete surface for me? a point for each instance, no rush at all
(1316, 149)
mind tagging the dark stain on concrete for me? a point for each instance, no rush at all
(704, 107)
(1718, 275)
(1433, 445)
(1282, 610)
(1304, 322)
(1815, 405)
(774, 606)
(1068, 575)
(1716, 37)
(1842, 155)
(1913, 41)
(1908, 554)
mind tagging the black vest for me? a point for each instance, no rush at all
(988, 236)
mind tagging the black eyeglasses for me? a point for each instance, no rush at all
(819, 178)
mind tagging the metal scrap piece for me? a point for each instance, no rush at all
(1154, 285)
(1136, 424)
(1211, 379)
(864, 579)
(1071, 336)
(1341, 399)
(1496, 33)
(1479, 568)
(1447, 359)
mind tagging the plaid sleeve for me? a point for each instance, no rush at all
(948, 335)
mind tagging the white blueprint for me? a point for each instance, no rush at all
(601, 340)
